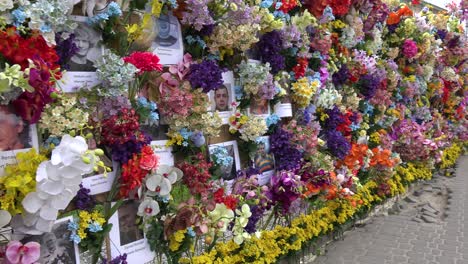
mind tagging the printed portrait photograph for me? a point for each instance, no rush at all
(259, 106)
(56, 246)
(15, 134)
(228, 171)
(168, 28)
(221, 98)
(157, 131)
(127, 215)
(263, 160)
(88, 42)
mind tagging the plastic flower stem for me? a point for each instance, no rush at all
(269, 219)
(212, 243)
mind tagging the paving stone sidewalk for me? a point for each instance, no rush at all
(429, 226)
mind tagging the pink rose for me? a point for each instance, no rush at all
(148, 160)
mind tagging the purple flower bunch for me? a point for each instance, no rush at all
(269, 48)
(285, 189)
(341, 76)
(287, 156)
(207, 75)
(378, 14)
(335, 118)
(65, 48)
(368, 85)
(257, 214)
(197, 14)
(337, 144)
(123, 152)
(121, 259)
(110, 106)
(83, 200)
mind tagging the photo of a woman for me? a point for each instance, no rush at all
(89, 49)
(14, 133)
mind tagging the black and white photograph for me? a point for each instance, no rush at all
(81, 70)
(222, 99)
(126, 237)
(16, 135)
(165, 154)
(56, 246)
(168, 44)
(99, 182)
(228, 170)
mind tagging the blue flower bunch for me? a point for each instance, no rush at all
(221, 156)
(272, 120)
(113, 10)
(147, 110)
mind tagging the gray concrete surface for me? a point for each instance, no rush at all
(429, 226)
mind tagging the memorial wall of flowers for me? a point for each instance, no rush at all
(216, 131)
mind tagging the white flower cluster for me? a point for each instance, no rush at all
(254, 128)
(114, 73)
(58, 182)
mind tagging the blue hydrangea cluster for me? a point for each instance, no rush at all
(149, 107)
(18, 16)
(114, 73)
(221, 156)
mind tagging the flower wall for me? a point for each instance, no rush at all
(216, 131)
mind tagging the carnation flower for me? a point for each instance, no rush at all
(144, 61)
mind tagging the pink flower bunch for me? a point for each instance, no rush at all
(410, 49)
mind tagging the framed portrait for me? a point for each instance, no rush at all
(100, 182)
(263, 160)
(165, 153)
(229, 171)
(221, 99)
(16, 135)
(126, 236)
(157, 131)
(56, 246)
(259, 107)
(168, 43)
(81, 72)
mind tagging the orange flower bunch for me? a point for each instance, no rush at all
(395, 17)
(355, 158)
(383, 158)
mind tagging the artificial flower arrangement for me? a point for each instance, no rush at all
(378, 93)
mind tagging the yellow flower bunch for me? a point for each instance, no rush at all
(303, 90)
(19, 180)
(176, 240)
(86, 219)
(375, 137)
(175, 138)
(450, 156)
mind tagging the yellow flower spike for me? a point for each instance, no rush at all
(156, 8)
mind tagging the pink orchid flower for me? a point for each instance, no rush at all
(17, 253)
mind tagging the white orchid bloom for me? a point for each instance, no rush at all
(148, 207)
(161, 181)
(69, 150)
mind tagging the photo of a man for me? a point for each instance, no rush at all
(222, 98)
(167, 34)
(259, 106)
(14, 132)
(56, 247)
(89, 49)
(263, 160)
(129, 231)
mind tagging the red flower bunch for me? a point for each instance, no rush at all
(121, 127)
(395, 17)
(144, 61)
(383, 158)
(17, 49)
(230, 201)
(355, 158)
(340, 7)
(288, 5)
(300, 67)
(136, 169)
(197, 175)
(29, 105)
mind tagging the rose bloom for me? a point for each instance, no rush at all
(149, 160)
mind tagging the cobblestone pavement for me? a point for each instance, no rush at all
(429, 226)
